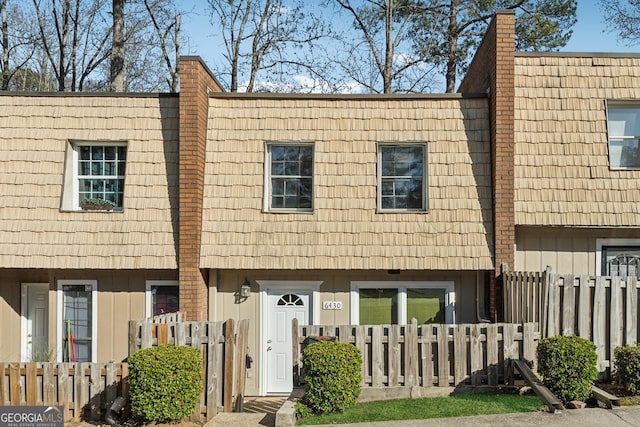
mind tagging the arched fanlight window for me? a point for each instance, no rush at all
(290, 300)
(624, 265)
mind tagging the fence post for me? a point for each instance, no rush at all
(544, 312)
(507, 293)
(631, 336)
(229, 359)
(133, 336)
(241, 373)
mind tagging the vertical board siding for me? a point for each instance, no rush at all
(430, 355)
(602, 309)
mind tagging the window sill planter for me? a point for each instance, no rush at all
(96, 205)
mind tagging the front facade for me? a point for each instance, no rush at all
(351, 210)
(330, 209)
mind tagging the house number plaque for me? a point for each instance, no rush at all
(332, 305)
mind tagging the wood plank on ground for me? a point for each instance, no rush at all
(550, 400)
(608, 399)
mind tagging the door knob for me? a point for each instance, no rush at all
(269, 348)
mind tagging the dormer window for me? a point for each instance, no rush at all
(101, 172)
(94, 176)
(624, 136)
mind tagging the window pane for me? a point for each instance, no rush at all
(292, 153)
(85, 153)
(623, 153)
(277, 152)
(76, 323)
(292, 168)
(291, 172)
(621, 261)
(110, 153)
(96, 168)
(378, 306)
(84, 168)
(402, 175)
(624, 121)
(105, 164)
(426, 305)
(165, 299)
(97, 153)
(277, 168)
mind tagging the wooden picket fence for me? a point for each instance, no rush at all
(87, 390)
(602, 309)
(84, 389)
(428, 355)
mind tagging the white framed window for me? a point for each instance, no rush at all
(623, 122)
(618, 257)
(95, 173)
(288, 177)
(162, 297)
(390, 302)
(402, 177)
(77, 320)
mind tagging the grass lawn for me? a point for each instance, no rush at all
(433, 407)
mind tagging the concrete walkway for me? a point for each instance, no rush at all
(619, 417)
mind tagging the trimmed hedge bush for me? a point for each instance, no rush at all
(333, 376)
(627, 363)
(568, 366)
(165, 382)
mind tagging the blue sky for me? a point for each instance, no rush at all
(589, 33)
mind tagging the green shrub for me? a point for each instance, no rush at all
(568, 366)
(333, 376)
(165, 382)
(302, 411)
(627, 363)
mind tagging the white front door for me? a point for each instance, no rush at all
(36, 322)
(282, 307)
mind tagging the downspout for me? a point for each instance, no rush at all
(114, 413)
(480, 283)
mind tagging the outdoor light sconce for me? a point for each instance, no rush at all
(245, 289)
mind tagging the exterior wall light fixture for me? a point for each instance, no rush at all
(245, 289)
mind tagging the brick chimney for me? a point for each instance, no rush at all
(492, 71)
(196, 82)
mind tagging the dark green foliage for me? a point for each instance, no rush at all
(333, 376)
(568, 366)
(165, 382)
(627, 363)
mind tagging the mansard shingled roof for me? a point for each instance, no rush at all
(35, 232)
(345, 231)
(562, 174)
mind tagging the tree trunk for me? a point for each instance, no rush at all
(175, 73)
(452, 48)
(5, 46)
(387, 72)
(117, 48)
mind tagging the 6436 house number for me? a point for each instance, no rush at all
(332, 305)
